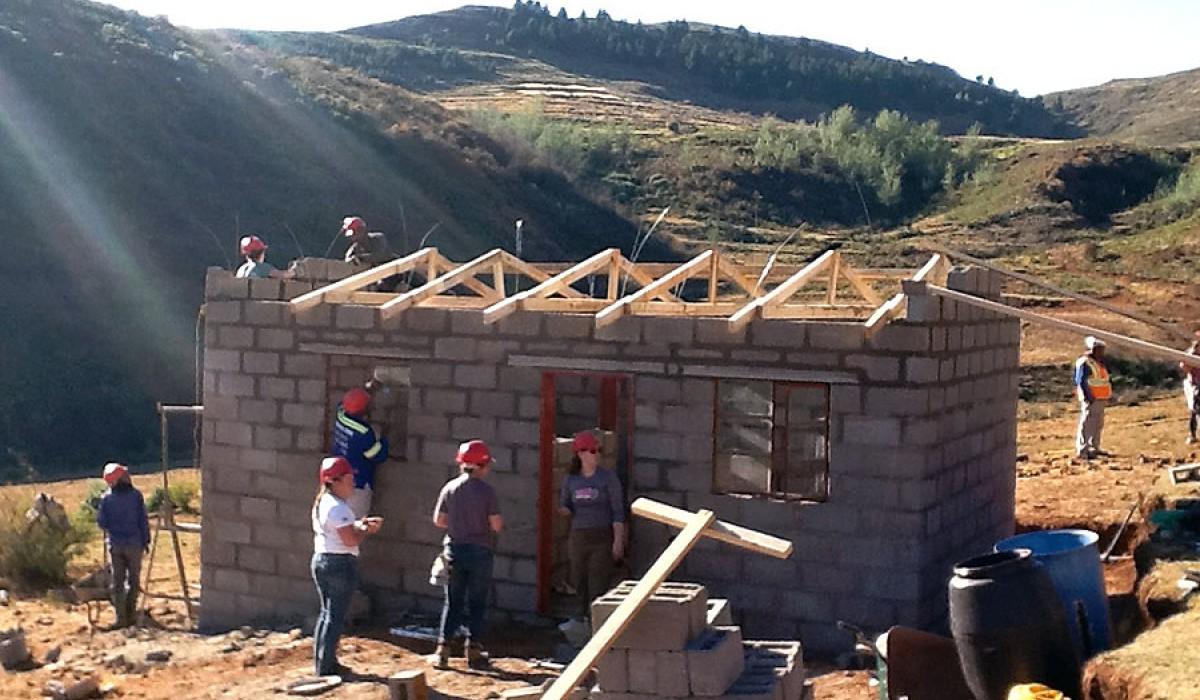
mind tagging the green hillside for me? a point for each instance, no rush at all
(135, 153)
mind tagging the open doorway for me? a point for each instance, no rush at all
(571, 402)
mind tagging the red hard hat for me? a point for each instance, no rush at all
(356, 401)
(333, 467)
(585, 441)
(113, 472)
(252, 245)
(353, 224)
(474, 452)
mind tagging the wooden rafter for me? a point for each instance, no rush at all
(552, 285)
(620, 307)
(343, 288)
(441, 284)
(442, 264)
(780, 294)
(936, 268)
(861, 285)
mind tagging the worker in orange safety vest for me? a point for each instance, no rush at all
(1094, 388)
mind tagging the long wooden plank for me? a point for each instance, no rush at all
(720, 530)
(1069, 326)
(620, 307)
(360, 280)
(644, 278)
(1029, 279)
(551, 285)
(835, 266)
(934, 269)
(780, 293)
(778, 272)
(616, 623)
(437, 286)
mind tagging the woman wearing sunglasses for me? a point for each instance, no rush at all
(336, 536)
(592, 497)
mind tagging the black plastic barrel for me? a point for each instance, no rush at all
(1009, 626)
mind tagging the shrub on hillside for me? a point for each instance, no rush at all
(574, 149)
(35, 555)
(183, 497)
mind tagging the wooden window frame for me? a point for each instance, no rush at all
(779, 440)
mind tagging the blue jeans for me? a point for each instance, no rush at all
(467, 590)
(336, 576)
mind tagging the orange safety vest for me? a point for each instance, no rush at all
(1097, 380)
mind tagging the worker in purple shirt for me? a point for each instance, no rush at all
(592, 497)
(468, 510)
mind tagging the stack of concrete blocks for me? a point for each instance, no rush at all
(678, 646)
(922, 448)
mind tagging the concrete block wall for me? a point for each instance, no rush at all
(921, 448)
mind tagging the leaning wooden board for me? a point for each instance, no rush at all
(635, 601)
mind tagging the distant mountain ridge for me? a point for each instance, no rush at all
(731, 68)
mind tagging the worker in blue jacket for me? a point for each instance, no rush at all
(121, 515)
(354, 439)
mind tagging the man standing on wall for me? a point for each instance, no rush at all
(368, 250)
(1094, 388)
(353, 438)
(467, 509)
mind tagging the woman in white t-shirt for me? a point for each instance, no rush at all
(336, 536)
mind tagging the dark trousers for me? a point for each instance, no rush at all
(126, 562)
(589, 551)
(336, 576)
(466, 590)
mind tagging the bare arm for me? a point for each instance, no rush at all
(441, 520)
(496, 522)
(353, 534)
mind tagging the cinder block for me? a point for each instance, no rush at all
(718, 612)
(671, 674)
(271, 289)
(784, 660)
(714, 661)
(355, 317)
(475, 377)
(879, 368)
(674, 614)
(276, 339)
(642, 671)
(612, 671)
(837, 336)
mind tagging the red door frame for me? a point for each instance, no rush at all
(608, 412)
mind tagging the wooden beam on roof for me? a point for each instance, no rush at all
(551, 285)
(835, 266)
(620, 307)
(530, 271)
(444, 264)
(886, 312)
(864, 289)
(847, 311)
(343, 288)
(934, 269)
(443, 283)
(1029, 279)
(1069, 326)
(643, 278)
(734, 273)
(780, 294)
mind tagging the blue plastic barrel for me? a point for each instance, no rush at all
(1072, 559)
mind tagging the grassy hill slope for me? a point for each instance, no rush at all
(136, 153)
(1164, 110)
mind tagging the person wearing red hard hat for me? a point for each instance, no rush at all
(337, 534)
(121, 515)
(592, 497)
(254, 250)
(353, 437)
(468, 510)
(369, 249)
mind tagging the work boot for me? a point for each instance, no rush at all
(441, 656)
(477, 657)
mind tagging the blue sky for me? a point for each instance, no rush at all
(1035, 46)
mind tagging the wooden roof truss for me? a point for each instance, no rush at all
(609, 286)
